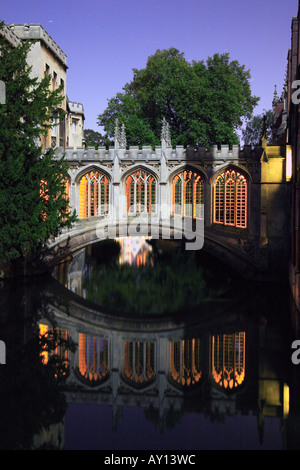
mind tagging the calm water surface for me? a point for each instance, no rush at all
(138, 344)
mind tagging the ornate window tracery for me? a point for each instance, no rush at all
(140, 190)
(230, 199)
(228, 359)
(93, 358)
(139, 362)
(187, 194)
(185, 362)
(94, 194)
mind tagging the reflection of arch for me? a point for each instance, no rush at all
(230, 198)
(188, 193)
(140, 190)
(139, 362)
(185, 362)
(93, 358)
(228, 360)
(94, 191)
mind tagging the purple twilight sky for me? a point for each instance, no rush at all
(105, 39)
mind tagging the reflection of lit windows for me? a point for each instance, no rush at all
(140, 188)
(185, 362)
(230, 199)
(228, 360)
(139, 362)
(93, 358)
(46, 331)
(94, 194)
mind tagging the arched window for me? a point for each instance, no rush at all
(93, 358)
(94, 194)
(228, 360)
(230, 199)
(185, 362)
(187, 194)
(140, 189)
(139, 362)
(44, 193)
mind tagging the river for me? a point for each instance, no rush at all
(138, 344)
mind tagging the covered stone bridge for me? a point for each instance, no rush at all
(238, 199)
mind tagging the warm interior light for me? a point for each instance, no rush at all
(286, 400)
(288, 162)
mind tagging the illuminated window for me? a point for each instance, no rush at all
(185, 362)
(139, 365)
(44, 193)
(228, 360)
(230, 199)
(187, 194)
(140, 189)
(94, 194)
(93, 358)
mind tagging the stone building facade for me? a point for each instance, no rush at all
(287, 132)
(46, 58)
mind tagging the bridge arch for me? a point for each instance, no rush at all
(93, 230)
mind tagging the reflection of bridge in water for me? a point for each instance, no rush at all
(225, 362)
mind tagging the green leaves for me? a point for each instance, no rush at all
(254, 127)
(26, 218)
(204, 103)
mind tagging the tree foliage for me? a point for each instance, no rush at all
(95, 139)
(254, 128)
(33, 204)
(204, 102)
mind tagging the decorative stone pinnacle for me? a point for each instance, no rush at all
(275, 98)
(165, 133)
(117, 131)
(120, 136)
(123, 141)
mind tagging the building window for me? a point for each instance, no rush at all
(140, 188)
(47, 70)
(187, 194)
(228, 360)
(93, 194)
(230, 199)
(54, 80)
(185, 362)
(139, 362)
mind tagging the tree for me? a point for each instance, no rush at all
(252, 133)
(95, 139)
(33, 202)
(204, 102)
